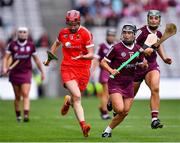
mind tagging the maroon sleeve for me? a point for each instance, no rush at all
(9, 47)
(111, 54)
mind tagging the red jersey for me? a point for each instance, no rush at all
(74, 44)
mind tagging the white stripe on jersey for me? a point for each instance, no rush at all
(138, 33)
(109, 51)
(90, 46)
(107, 60)
(35, 53)
(57, 40)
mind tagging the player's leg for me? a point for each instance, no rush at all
(25, 89)
(104, 100)
(73, 88)
(118, 107)
(127, 106)
(152, 79)
(136, 87)
(17, 101)
(66, 105)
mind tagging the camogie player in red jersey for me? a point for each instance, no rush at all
(77, 49)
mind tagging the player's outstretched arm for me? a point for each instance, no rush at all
(163, 55)
(53, 51)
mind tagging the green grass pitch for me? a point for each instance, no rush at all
(46, 123)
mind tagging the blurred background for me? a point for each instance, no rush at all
(44, 18)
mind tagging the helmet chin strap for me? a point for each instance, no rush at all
(73, 30)
(153, 27)
(22, 40)
(128, 43)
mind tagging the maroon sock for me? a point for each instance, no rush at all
(103, 112)
(154, 114)
(82, 123)
(18, 113)
(26, 113)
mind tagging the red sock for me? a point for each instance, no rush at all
(82, 123)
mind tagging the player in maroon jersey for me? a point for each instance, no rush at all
(77, 48)
(104, 75)
(20, 76)
(121, 88)
(152, 74)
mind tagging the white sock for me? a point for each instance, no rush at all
(108, 129)
(154, 119)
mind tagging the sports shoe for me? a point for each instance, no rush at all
(66, 105)
(105, 116)
(18, 119)
(26, 119)
(86, 128)
(106, 135)
(109, 105)
(114, 113)
(156, 124)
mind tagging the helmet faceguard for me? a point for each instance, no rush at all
(73, 20)
(128, 28)
(154, 19)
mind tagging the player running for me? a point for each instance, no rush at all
(77, 48)
(104, 75)
(121, 87)
(152, 74)
(21, 51)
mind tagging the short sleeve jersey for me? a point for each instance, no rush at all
(141, 38)
(22, 52)
(120, 53)
(75, 44)
(103, 49)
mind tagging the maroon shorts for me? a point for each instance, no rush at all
(104, 76)
(124, 87)
(140, 74)
(20, 78)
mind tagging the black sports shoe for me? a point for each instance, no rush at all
(105, 116)
(26, 119)
(156, 124)
(109, 106)
(114, 113)
(106, 135)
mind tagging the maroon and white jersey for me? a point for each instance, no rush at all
(152, 63)
(141, 38)
(22, 52)
(118, 54)
(123, 82)
(102, 51)
(22, 72)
